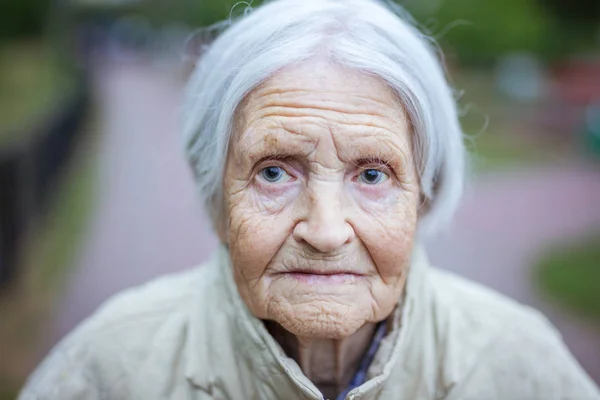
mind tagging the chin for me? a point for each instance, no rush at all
(319, 321)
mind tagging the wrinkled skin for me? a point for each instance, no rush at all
(321, 197)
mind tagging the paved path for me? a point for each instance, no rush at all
(148, 220)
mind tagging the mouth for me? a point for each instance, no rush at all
(322, 277)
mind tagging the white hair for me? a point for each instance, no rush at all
(371, 36)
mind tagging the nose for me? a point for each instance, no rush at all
(325, 227)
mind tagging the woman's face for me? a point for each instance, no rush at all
(321, 198)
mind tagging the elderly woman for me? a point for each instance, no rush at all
(325, 144)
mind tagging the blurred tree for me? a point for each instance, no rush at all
(479, 32)
(22, 18)
(578, 14)
(577, 23)
(475, 31)
(195, 13)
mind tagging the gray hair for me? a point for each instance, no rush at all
(370, 36)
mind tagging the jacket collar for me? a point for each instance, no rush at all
(280, 375)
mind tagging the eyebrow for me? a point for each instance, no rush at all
(277, 142)
(257, 156)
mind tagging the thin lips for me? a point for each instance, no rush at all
(321, 272)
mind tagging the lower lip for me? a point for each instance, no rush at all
(315, 279)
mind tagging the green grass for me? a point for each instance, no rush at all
(570, 275)
(31, 84)
(8, 390)
(65, 225)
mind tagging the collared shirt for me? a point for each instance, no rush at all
(189, 336)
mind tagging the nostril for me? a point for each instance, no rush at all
(323, 238)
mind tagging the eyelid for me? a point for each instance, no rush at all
(273, 161)
(279, 161)
(374, 163)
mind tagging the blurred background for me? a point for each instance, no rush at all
(95, 195)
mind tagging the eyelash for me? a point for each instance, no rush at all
(373, 163)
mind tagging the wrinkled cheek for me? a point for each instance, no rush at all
(255, 237)
(394, 263)
(393, 251)
(251, 246)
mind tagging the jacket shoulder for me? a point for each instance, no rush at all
(101, 357)
(155, 299)
(479, 305)
(494, 347)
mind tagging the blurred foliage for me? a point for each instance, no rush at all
(65, 225)
(498, 134)
(35, 75)
(8, 389)
(193, 13)
(32, 82)
(23, 18)
(574, 14)
(576, 24)
(475, 31)
(478, 32)
(570, 273)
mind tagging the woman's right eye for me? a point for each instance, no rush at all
(274, 174)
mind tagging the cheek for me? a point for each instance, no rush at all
(386, 225)
(259, 223)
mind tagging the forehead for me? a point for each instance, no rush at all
(300, 104)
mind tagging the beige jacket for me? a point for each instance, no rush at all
(189, 336)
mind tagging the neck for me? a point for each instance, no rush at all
(329, 363)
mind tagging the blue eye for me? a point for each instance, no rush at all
(372, 176)
(273, 174)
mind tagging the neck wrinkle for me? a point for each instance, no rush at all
(340, 361)
(329, 363)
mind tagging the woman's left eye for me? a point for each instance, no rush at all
(372, 176)
(274, 174)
